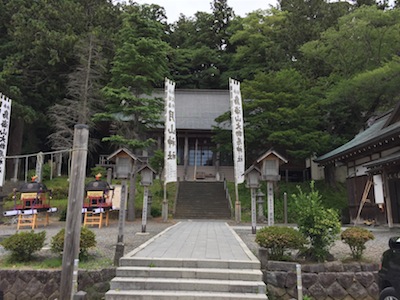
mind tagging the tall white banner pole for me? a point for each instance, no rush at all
(237, 140)
(5, 115)
(170, 167)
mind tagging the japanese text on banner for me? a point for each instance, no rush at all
(170, 168)
(237, 130)
(5, 113)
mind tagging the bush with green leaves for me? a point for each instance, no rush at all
(278, 240)
(356, 238)
(46, 172)
(23, 244)
(98, 169)
(87, 241)
(320, 225)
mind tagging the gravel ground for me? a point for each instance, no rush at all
(106, 237)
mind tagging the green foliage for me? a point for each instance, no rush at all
(59, 192)
(278, 240)
(334, 197)
(282, 113)
(46, 172)
(157, 161)
(87, 241)
(155, 212)
(139, 65)
(319, 224)
(98, 169)
(23, 244)
(356, 238)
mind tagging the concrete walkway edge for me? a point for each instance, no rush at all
(242, 244)
(144, 245)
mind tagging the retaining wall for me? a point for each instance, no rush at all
(45, 284)
(331, 280)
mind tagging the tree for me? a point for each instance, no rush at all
(255, 44)
(306, 20)
(363, 40)
(223, 15)
(360, 77)
(196, 68)
(84, 99)
(140, 64)
(280, 112)
(352, 102)
(42, 36)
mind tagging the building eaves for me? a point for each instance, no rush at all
(375, 134)
(385, 161)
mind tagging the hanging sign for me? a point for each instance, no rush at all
(170, 168)
(5, 114)
(237, 130)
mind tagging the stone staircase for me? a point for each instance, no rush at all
(202, 200)
(189, 279)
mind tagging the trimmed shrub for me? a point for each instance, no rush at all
(155, 212)
(356, 238)
(23, 244)
(87, 241)
(318, 224)
(278, 240)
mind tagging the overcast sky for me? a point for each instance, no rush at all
(190, 7)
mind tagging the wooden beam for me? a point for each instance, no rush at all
(367, 188)
(74, 211)
(388, 202)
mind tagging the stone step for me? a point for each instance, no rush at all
(202, 200)
(209, 208)
(191, 214)
(179, 295)
(201, 217)
(190, 273)
(189, 263)
(182, 284)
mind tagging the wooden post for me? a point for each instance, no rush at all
(186, 158)
(26, 168)
(74, 212)
(59, 165)
(253, 211)
(238, 208)
(388, 200)
(285, 207)
(16, 167)
(51, 166)
(144, 209)
(165, 205)
(132, 193)
(39, 166)
(270, 187)
(120, 247)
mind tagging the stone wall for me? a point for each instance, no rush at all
(45, 284)
(325, 281)
(331, 280)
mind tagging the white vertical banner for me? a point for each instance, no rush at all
(170, 173)
(5, 114)
(237, 130)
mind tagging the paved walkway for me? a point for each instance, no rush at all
(209, 240)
